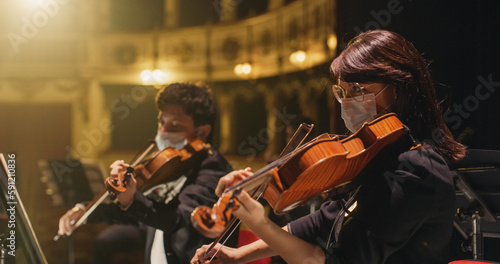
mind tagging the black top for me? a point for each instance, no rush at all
(404, 214)
(180, 238)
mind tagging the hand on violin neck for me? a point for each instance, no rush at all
(231, 179)
(250, 211)
(117, 166)
(127, 197)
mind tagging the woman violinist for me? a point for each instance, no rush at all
(403, 208)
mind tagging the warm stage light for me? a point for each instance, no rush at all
(155, 77)
(159, 76)
(332, 41)
(243, 69)
(298, 57)
(247, 68)
(146, 76)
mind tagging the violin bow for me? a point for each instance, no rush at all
(301, 134)
(105, 193)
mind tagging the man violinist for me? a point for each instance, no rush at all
(186, 113)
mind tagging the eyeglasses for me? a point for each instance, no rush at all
(355, 91)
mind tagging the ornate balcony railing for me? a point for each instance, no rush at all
(208, 53)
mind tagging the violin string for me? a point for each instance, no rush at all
(259, 191)
(263, 171)
(219, 238)
(141, 157)
(303, 128)
(284, 155)
(225, 240)
(269, 166)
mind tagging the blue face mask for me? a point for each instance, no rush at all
(176, 140)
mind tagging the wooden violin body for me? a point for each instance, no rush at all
(318, 166)
(167, 165)
(326, 164)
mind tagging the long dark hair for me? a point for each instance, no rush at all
(386, 57)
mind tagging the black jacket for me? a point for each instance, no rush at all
(404, 214)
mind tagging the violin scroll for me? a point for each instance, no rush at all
(211, 222)
(119, 184)
(164, 166)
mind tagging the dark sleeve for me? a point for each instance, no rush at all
(404, 203)
(315, 228)
(200, 191)
(110, 213)
(406, 209)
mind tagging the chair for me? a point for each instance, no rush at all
(477, 180)
(246, 237)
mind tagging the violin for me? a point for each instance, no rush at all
(150, 169)
(167, 165)
(321, 165)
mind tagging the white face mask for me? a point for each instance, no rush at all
(355, 113)
(175, 140)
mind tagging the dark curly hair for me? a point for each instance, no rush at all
(195, 98)
(386, 57)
